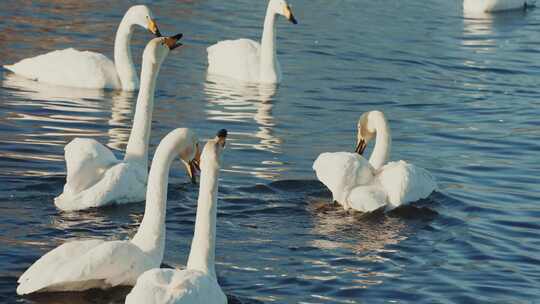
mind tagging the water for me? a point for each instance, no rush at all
(463, 101)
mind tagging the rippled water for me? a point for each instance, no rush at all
(461, 94)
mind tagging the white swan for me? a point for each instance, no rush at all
(365, 186)
(94, 176)
(85, 69)
(486, 6)
(247, 60)
(82, 265)
(198, 282)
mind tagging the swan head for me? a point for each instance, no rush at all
(143, 17)
(281, 7)
(190, 155)
(367, 129)
(158, 48)
(211, 155)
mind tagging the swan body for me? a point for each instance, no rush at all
(198, 282)
(82, 265)
(486, 6)
(95, 177)
(248, 60)
(369, 185)
(91, 70)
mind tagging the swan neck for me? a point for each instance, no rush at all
(150, 237)
(137, 148)
(123, 61)
(268, 68)
(202, 254)
(383, 143)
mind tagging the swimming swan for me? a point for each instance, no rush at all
(368, 185)
(198, 282)
(248, 60)
(82, 265)
(95, 177)
(85, 69)
(487, 6)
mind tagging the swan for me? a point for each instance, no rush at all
(487, 6)
(91, 70)
(95, 177)
(248, 60)
(368, 185)
(198, 282)
(85, 264)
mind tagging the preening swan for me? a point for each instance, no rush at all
(248, 60)
(94, 176)
(368, 185)
(198, 282)
(486, 6)
(82, 265)
(85, 69)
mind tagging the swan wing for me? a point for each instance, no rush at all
(405, 183)
(168, 286)
(237, 59)
(122, 183)
(341, 172)
(83, 265)
(69, 67)
(36, 276)
(86, 162)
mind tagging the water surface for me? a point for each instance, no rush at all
(461, 94)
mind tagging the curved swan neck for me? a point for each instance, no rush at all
(202, 254)
(122, 56)
(137, 148)
(151, 234)
(383, 143)
(268, 64)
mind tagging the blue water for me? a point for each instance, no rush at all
(462, 96)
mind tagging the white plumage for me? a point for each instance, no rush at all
(82, 265)
(173, 286)
(238, 59)
(95, 177)
(197, 283)
(69, 67)
(247, 60)
(91, 70)
(369, 185)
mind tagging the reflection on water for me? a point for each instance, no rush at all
(50, 116)
(235, 102)
(371, 233)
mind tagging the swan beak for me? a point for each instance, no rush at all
(173, 41)
(361, 146)
(152, 27)
(289, 15)
(193, 166)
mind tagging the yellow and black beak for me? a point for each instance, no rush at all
(173, 41)
(289, 15)
(193, 167)
(153, 28)
(361, 146)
